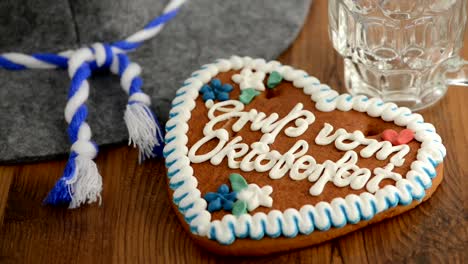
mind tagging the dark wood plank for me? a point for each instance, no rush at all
(136, 223)
(6, 174)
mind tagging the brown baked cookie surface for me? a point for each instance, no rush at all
(318, 167)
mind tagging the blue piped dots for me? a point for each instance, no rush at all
(216, 91)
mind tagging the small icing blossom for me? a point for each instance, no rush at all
(255, 196)
(247, 95)
(249, 79)
(222, 199)
(216, 91)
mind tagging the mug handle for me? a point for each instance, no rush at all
(456, 72)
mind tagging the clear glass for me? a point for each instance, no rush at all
(403, 51)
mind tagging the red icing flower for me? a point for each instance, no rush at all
(405, 136)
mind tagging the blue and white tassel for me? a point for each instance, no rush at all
(143, 129)
(81, 181)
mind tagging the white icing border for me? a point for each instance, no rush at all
(340, 211)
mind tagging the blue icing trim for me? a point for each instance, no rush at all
(331, 99)
(325, 89)
(176, 104)
(349, 220)
(180, 93)
(166, 154)
(408, 114)
(391, 203)
(312, 226)
(193, 229)
(296, 226)
(214, 237)
(434, 163)
(338, 225)
(173, 173)
(328, 225)
(176, 185)
(410, 191)
(430, 173)
(233, 233)
(418, 179)
(374, 208)
(169, 140)
(361, 214)
(169, 128)
(178, 199)
(195, 75)
(380, 103)
(349, 98)
(169, 164)
(262, 234)
(213, 233)
(171, 115)
(247, 232)
(277, 233)
(365, 99)
(190, 219)
(186, 83)
(414, 195)
(394, 108)
(184, 209)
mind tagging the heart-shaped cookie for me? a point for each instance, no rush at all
(264, 158)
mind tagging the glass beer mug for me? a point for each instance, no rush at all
(403, 51)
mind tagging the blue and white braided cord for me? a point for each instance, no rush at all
(81, 181)
(20, 61)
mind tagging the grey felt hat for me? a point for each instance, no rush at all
(32, 126)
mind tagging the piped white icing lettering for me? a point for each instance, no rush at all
(382, 149)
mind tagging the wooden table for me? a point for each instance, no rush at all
(136, 223)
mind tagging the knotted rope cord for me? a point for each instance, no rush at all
(81, 181)
(21, 61)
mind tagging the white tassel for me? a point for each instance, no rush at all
(142, 129)
(86, 183)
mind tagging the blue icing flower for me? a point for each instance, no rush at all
(216, 91)
(222, 199)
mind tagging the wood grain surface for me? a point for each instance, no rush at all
(136, 224)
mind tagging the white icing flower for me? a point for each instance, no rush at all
(255, 196)
(249, 79)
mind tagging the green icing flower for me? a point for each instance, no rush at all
(274, 79)
(247, 95)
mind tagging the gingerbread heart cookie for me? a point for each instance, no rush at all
(263, 158)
